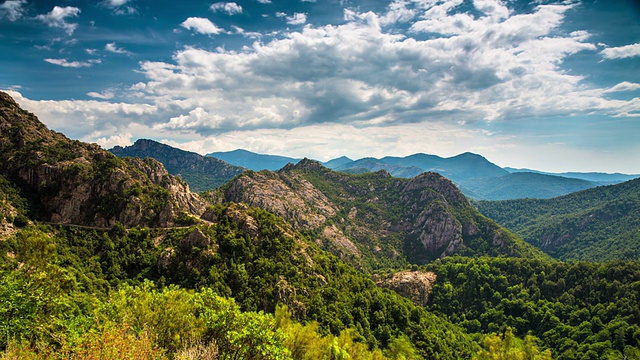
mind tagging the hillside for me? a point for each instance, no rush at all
(595, 177)
(200, 172)
(521, 185)
(253, 161)
(375, 220)
(67, 181)
(597, 224)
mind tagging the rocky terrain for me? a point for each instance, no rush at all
(67, 181)
(375, 216)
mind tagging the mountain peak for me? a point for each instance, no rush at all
(304, 164)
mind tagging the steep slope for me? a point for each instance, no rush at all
(597, 224)
(251, 160)
(200, 172)
(524, 185)
(373, 219)
(68, 181)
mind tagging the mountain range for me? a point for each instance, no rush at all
(102, 253)
(477, 177)
(201, 173)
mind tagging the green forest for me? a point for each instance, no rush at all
(109, 258)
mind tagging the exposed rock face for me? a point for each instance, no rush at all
(415, 285)
(71, 182)
(289, 196)
(374, 214)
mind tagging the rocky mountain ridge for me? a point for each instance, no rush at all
(374, 215)
(200, 172)
(71, 182)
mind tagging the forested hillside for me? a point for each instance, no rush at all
(578, 310)
(598, 224)
(102, 257)
(201, 173)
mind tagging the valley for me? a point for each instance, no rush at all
(158, 253)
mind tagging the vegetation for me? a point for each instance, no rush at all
(578, 310)
(200, 172)
(599, 224)
(64, 283)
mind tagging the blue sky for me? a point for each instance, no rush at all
(549, 85)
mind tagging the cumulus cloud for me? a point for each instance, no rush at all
(73, 64)
(201, 25)
(621, 52)
(120, 7)
(57, 18)
(230, 8)
(297, 19)
(452, 67)
(113, 48)
(12, 9)
(89, 119)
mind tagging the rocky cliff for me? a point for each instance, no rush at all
(68, 181)
(373, 218)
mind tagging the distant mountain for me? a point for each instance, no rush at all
(200, 172)
(477, 177)
(457, 168)
(253, 161)
(597, 224)
(522, 185)
(71, 182)
(374, 220)
(334, 163)
(595, 177)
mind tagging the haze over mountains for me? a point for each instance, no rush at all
(306, 258)
(476, 176)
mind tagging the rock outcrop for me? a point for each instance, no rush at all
(415, 285)
(71, 182)
(374, 215)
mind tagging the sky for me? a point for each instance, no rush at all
(546, 85)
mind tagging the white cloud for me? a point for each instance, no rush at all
(105, 95)
(119, 7)
(230, 8)
(264, 1)
(73, 64)
(116, 3)
(624, 86)
(201, 25)
(297, 19)
(12, 9)
(363, 77)
(112, 47)
(89, 120)
(621, 52)
(57, 18)
(124, 139)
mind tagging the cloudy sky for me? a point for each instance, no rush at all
(549, 85)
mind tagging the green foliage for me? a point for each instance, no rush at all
(509, 347)
(599, 224)
(574, 308)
